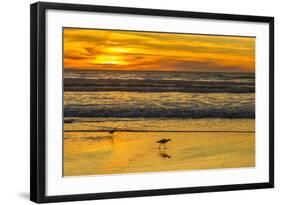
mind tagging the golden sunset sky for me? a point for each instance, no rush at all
(126, 50)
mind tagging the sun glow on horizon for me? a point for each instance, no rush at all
(109, 59)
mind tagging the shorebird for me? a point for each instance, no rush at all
(111, 131)
(163, 142)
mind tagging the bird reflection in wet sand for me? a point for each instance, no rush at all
(163, 154)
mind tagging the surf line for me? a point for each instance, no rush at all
(124, 130)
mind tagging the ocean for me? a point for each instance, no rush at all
(139, 94)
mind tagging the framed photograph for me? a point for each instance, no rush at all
(129, 102)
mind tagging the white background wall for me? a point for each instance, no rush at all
(14, 100)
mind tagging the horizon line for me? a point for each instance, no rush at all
(190, 71)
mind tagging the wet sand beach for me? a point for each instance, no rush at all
(90, 148)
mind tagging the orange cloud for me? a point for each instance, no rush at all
(133, 50)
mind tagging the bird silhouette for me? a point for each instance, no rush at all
(111, 131)
(163, 142)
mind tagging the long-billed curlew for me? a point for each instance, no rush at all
(163, 142)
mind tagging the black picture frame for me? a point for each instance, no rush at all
(38, 111)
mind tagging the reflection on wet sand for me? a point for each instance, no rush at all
(163, 153)
(98, 152)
